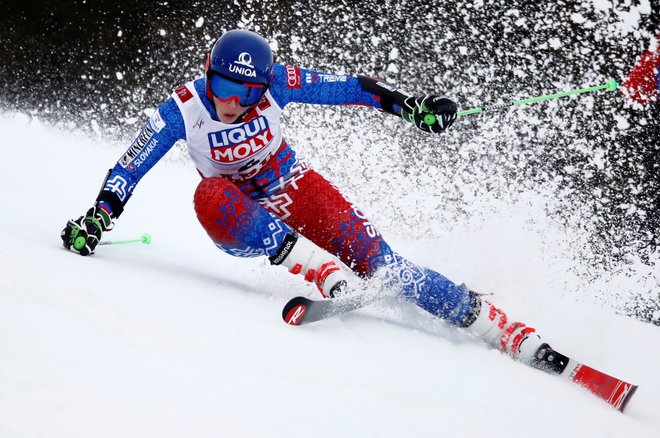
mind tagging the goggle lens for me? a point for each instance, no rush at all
(246, 94)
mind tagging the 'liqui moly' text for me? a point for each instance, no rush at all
(237, 144)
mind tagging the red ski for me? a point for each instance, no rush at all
(614, 391)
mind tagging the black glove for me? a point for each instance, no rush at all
(83, 234)
(429, 113)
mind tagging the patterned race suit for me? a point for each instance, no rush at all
(254, 190)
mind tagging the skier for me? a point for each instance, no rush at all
(255, 198)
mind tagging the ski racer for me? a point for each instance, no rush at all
(255, 198)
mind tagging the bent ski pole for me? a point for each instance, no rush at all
(145, 238)
(610, 85)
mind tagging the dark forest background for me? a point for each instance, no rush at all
(97, 65)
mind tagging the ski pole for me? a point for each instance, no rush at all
(145, 238)
(610, 85)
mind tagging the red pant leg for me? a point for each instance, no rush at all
(237, 224)
(315, 208)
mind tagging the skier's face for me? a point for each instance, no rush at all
(228, 110)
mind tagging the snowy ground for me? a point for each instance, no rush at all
(176, 339)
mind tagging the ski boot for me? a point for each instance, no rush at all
(523, 343)
(494, 327)
(301, 256)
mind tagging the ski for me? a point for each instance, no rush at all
(301, 310)
(616, 392)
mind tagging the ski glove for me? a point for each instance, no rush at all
(83, 234)
(429, 113)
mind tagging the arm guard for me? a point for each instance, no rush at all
(391, 98)
(111, 198)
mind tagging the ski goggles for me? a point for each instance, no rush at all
(226, 89)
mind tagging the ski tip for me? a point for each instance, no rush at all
(626, 400)
(295, 314)
(294, 311)
(616, 392)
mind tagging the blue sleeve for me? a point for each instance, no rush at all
(294, 84)
(164, 128)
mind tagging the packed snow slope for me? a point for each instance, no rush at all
(177, 339)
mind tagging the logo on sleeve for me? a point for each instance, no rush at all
(184, 93)
(237, 144)
(119, 186)
(315, 78)
(293, 79)
(139, 145)
(157, 121)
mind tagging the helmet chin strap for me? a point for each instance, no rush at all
(247, 111)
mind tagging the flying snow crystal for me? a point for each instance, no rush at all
(394, 53)
(555, 43)
(598, 158)
(119, 34)
(162, 32)
(95, 127)
(578, 18)
(621, 123)
(120, 75)
(602, 5)
(295, 44)
(199, 22)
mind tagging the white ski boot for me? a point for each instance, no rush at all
(494, 327)
(301, 256)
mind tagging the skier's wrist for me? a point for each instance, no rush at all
(110, 202)
(390, 96)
